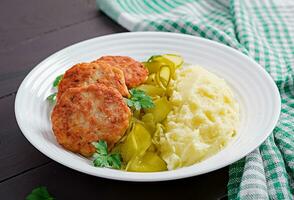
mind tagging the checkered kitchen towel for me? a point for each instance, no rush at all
(263, 30)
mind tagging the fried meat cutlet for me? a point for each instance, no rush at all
(134, 71)
(88, 73)
(87, 114)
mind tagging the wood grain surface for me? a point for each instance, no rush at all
(30, 31)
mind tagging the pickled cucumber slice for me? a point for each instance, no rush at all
(136, 143)
(176, 59)
(149, 162)
(161, 109)
(152, 90)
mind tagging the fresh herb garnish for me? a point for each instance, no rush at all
(39, 193)
(52, 98)
(57, 80)
(103, 159)
(139, 99)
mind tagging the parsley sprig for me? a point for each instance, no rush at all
(139, 99)
(57, 80)
(39, 193)
(52, 97)
(104, 159)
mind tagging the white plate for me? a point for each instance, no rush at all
(254, 89)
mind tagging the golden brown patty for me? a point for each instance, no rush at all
(87, 73)
(134, 71)
(87, 114)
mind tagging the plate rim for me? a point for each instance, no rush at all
(150, 178)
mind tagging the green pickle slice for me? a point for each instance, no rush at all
(138, 148)
(136, 143)
(161, 109)
(149, 162)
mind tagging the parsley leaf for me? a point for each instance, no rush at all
(57, 80)
(39, 193)
(139, 99)
(103, 159)
(52, 98)
(101, 147)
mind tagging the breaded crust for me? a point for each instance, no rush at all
(87, 114)
(87, 73)
(134, 71)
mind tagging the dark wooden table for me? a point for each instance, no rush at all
(30, 31)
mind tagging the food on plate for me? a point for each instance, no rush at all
(83, 74)
(203, 119)
(172, 116)
(134, 71)
(52, 98)
(139, 100)
(87, 114)
(103, 158)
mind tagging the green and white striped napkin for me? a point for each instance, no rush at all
(263, 30)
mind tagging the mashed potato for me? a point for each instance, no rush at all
(203, 120)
